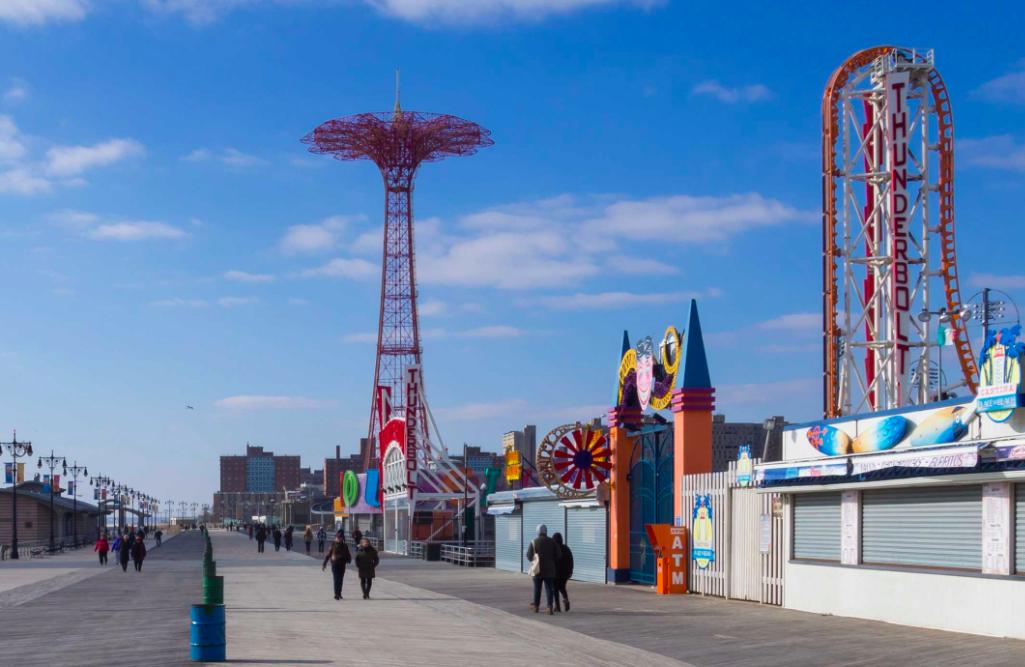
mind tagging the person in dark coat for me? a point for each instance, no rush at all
(158, 534)
(547, 553)
(124, 552)
(277, 538)
(563, 572)
(250, 531)
(139, 552)
(339, 556)
(288, 538)
(366, 564)
(357, 537)
(322, 538)
(261, 537)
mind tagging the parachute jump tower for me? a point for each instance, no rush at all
(888, 231)
(398, 142)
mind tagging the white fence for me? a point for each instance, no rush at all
(744, 523)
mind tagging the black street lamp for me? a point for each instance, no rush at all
(75, 471)
(170, 504)
(52, 462)
(16, 450)
(101, 483)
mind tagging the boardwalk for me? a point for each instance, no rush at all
(280, 611)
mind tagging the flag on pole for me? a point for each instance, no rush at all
(96, 494)
(944, 335)
(56, 483)
(9, 473)
(46, 481)
(71, 488)
(21, 473)
(103, 494)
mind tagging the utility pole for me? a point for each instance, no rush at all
(17, 450)
(52, 462)
(76, 470)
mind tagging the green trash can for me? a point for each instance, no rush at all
(213, 590)
(209, 569)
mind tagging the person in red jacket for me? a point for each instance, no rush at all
(138, 552)
(103, 546)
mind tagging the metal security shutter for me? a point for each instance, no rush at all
(508, 542)
(548, 512)
(585, 535)
(932, 527)
(817, 526)
(1019, 528)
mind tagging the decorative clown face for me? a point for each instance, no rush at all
(645, 370)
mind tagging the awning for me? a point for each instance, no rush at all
(795, 471)
(959, 456)
(501, 509)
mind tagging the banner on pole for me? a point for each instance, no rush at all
(21, 473)
(9, 473)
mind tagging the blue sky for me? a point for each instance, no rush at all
(168, 241)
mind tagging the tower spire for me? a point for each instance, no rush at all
(398, 109)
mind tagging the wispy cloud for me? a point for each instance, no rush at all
(997, 152)
(292, 301)
(18, 91)
(480, 411)
(316, 238)
(234, 301)
(363, 337)
(354, 269)
(753, 393)
(243, 277)
(66, 161)
(274, 403)
(993, 281)
(490, 11)
(178, 302)
(608, 300)
(37, 12)
(73, 218)
(136, 231)
(493, 331)
(23, 182)
(1008, 89)
(231, 157)
(432, 307)
(741, 94)
(794, 322)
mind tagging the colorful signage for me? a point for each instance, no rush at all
(1000, 390)
(645, 371)
(744, 466)
(573, 460)
(899, 124)
(513, 469)
(645, 379)
(413, 390)
(9, 473)
(703, 532)
(360, 492)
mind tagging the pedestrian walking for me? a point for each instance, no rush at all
(261, 537)
(357, 537)
(277, 539)
(102, 546)
(339, 556)
(124, 552)
(366, 566)
(158, 534)
(322, 537)
(250, 531)
(116, 546)
(308, 539)
(288, 538)
(563, 571)
(543, 553)
(139, 552)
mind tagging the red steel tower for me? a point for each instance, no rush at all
(398, 142)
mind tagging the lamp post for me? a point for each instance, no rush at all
(52, 462)
(770, 426)
(75, 471)
(16, 450)
(99, 481)
(170, 504)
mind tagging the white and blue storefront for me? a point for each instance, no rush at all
(912, 516)
(583, 524)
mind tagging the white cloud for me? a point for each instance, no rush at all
(479, 411)
(188, 303)
(994, 281)
(473, 307)
(1002, 151)
(23, 182)
(794, 322)
(18, 90)
(371, 242)
(12, 144)
(750, 93)
(321, 237)
(73, 218)
(432, 307)
(38, 12)
(231, 157)
(493, 331)
(74, 160)
(195, 222)
(608, 300)
(796, 390)
(136, 231)
(292, 301)
(243, 277)
(478, 11)
(274, 403)
(355, 269)
(365, 337)
(641, 266)
(1009, 88)
(232, 301)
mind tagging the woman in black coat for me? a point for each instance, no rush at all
(124, 552)
(563, 571)
(277, 538)
(366, 562)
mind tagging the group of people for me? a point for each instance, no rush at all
(131, 546)
(339, 555)
(551, 565)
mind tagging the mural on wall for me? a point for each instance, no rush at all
(573, 460)
(744, 466)
(1000, 390)
(702, 531)
(646, 379)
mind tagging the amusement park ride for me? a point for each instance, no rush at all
(888, 232)
(417, 475)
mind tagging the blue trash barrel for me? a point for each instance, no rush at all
(209, 642)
